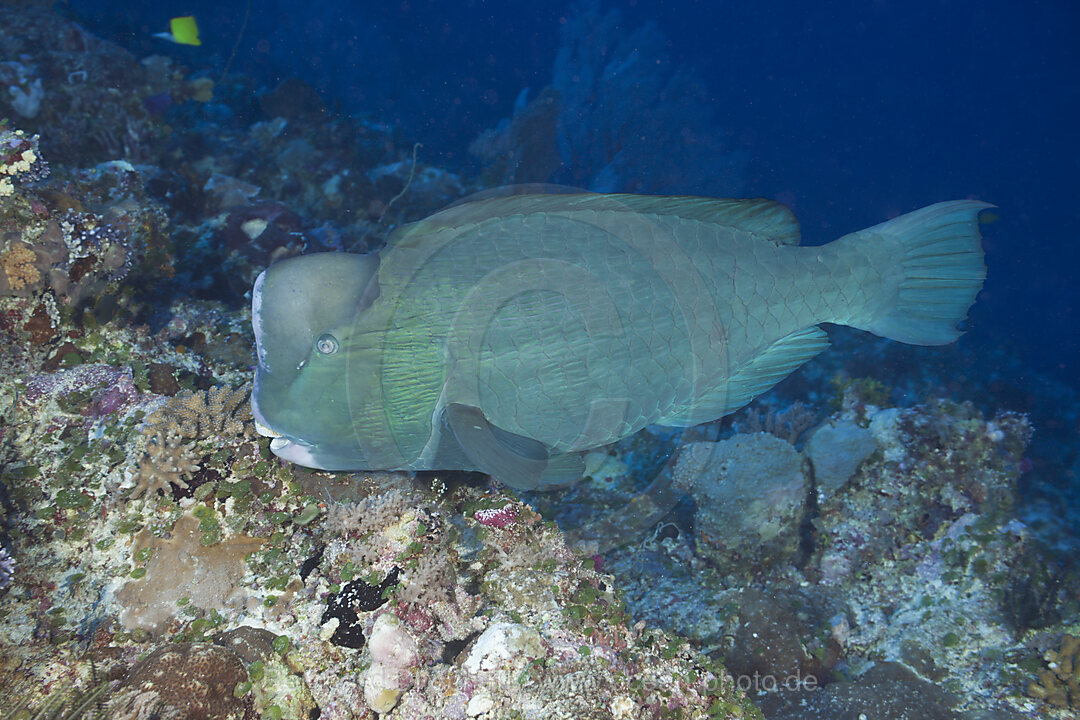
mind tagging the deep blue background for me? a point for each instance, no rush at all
(850, 112)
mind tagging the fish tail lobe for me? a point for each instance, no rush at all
(921, 272)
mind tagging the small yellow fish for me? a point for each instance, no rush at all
(182, 31)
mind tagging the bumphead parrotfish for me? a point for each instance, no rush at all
(510, 335)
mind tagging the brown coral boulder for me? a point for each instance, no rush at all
(182, 681)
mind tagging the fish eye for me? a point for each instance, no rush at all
(326, 344)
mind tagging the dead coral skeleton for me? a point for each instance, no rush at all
(173, 429)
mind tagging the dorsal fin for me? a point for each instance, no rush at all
(765, 218)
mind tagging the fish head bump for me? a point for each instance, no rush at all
(304, 315)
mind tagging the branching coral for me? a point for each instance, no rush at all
(1059, 684)
(370, 514)
(431, 580)
(171, 430)
(218, 412)
(167, 462)
(384, 524)
(377, 523)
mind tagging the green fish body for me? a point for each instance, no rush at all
(511, 335)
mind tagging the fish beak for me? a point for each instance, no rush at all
(279, 445)
(283, 447)
(293, 451)
(265, 431)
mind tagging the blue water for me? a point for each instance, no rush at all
(850, 112)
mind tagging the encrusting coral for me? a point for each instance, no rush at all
(18, 265)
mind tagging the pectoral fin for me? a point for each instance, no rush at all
(771, 366)
(520, 462)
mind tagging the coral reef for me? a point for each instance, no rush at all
(167, 462)
(933, 467)
(170, 454)
(82, 93)
(73, 249)
(156, 560)
(379, 604)
(182, 571)
(903, 583)
(7, 568)
(20, 159)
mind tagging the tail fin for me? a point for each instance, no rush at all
(936, 268)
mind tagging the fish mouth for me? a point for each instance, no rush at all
(294, 451)
(286, 448)
(307, 454)
(261, 426)
(300, 452)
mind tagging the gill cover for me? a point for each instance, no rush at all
(293, 304)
